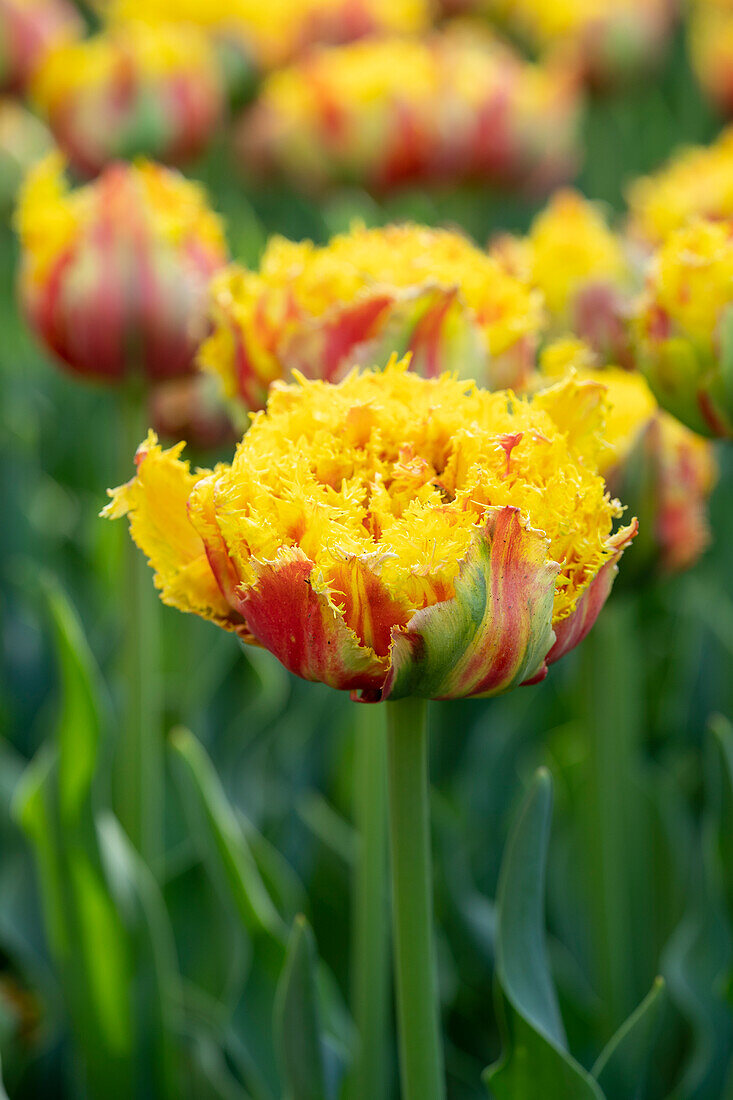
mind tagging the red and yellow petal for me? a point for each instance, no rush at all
(570, 632)
(303, 629)
(495, 632)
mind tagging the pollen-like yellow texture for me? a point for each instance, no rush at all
(399, 470)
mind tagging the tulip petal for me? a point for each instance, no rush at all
(570, 632)
(156, 502)
(494, 633)
(300, 625)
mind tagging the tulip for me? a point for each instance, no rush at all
(684, 326)
(28, 29)
(114, 274)
(696, 182)
(317, 310)
(607, 40)
(392, 535)
(131, 90)
(23, 140)
(452, 107)
(191, 407)
(664, 471)
(581, 268)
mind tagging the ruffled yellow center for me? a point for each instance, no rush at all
(50, 216)
(692, 277)
(697, 181)
(403, 470)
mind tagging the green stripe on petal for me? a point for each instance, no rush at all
(494, 633)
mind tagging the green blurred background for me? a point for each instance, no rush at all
(640, 879)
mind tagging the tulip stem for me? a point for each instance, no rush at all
(370, 947)
(421, 1056)
(140, 760)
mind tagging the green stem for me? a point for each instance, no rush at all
(421, 1056)
(140, 759)
(370, 947)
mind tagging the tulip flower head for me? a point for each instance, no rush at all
(114, 274)
(385, 112)
(697, 182)
(685, 326)
(580, 266)
(133, 90)
(663, 471)
(392, 535)
(28, 30)
(317, 310)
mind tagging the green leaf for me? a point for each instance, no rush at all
(621, 1067)
(535, 1061)
(226, 838)
(297, 1027)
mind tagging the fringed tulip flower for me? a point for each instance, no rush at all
(580, 265)
(696, 182)
(114, 274)
(277, 32)
(23, 140)
(608, 40)
(684, 326)
(710, 33)
(386, 112)
(28, 30)
(320, 310)
(392, 535)
(663, 471)
(131, 90)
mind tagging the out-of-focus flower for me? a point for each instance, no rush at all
(114, 274)
(608, 40)
(662, 470)
(131, 90)
(459, 105)
(684, 326)
(710, 33)
(320, 310)
(580, 265)
(277, 32)
(23, 140)
(28, 29)
(697, 181)
(191, 408)
(392, 535)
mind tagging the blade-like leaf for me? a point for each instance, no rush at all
(621, 1067)
(535, 1060)
(297, 1028)
(249, 893)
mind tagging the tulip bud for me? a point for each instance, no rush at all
(114, 274)
(684, 326)
(28, 29)
(191, 408)
(132, 90)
